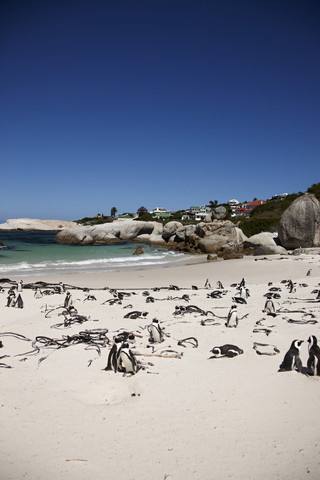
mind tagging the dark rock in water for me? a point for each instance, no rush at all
(2, 245)
(299, 225)
(138, 250)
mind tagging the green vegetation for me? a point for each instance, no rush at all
(94, 220)
(315, 189)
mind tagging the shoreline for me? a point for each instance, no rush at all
(176, 272)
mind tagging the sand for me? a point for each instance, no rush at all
(179, 418)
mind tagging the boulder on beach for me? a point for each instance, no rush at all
(138, 250)
(299, 225)
(34, 224)
(107, 233)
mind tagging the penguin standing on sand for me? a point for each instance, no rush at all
(269, 308)
(61, 287)
(113, 357)
(37, 293)
(292, 358)
(155, 331)
(11, 298)
(313, 363)
(244, 293)
(232, 319)
(68, 300)
(207, 284)
(19, 302)
(19, 286)
(128, 359)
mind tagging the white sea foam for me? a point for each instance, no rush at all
(94, 264)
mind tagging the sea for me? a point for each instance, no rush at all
(29, 253)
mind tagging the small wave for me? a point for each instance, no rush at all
(94, 264)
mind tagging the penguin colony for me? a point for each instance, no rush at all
(122, 352)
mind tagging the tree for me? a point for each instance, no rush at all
(113, 212)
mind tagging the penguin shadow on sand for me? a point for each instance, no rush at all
(292, 360)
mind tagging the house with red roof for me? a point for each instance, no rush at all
(246, 208)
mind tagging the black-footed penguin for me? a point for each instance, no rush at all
(19, 302)
(155, 331)
(292, 358)
(244, 293)
(242, 283)
(128, 359)
(232, 320)
(67, 300)
(269, 308)
(219, 285)
(37, 293)
(11, 298)
(226, 351)
(313, 363)
(113, 357)
(19, 286)
(207, 284)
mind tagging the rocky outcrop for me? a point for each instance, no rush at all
(218, 213)
(220, 238)
(30, 224)
(299, 225)
(107, 233)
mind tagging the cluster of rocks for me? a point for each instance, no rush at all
(215, 236)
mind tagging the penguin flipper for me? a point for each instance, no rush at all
(298, 364)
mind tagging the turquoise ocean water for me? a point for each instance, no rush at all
(36, 252)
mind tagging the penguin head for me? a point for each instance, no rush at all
(155, 321)
(297, 343)
(312, 340)
(216, 351)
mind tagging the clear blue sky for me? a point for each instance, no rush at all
(166, 103)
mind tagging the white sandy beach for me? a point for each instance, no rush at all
(179, 418)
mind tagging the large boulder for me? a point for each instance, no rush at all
(217, 236)
(218, 213)
(266, 239)
(108, 233)
(169, 230)
(299, 225)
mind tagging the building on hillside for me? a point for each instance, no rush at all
(159, 212)
(233, 204)
(198, 213)
(141, 211)
(279, 197)
(246, 208)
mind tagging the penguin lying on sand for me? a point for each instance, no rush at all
(292, 360)
(226, 351)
